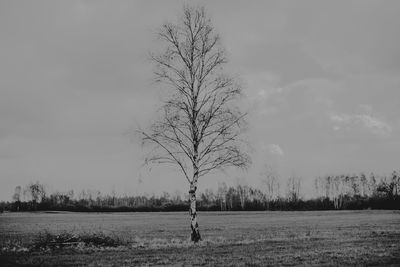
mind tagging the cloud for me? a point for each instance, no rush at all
(260, 89)
(367, 109)
(372, 124)
(264, 94)
(275, 149)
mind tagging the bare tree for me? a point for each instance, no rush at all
(221, 194)
(293, 188)
(243, 192)
(199, 130)
(37, 193)
(17, 194)
(17, 197)
(270, 180)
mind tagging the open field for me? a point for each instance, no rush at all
(234, 238)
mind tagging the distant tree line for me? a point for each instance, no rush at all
(333, 192)
(360, 191)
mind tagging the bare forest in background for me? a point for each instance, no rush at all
(339, 192)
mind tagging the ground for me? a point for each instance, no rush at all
(229, 238)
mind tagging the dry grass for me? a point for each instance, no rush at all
(239, 239)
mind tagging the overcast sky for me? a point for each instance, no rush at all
(321, 79)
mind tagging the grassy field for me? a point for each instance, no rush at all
(229, 238)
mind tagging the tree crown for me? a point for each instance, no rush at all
(200, 128)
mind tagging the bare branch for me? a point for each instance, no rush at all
(200, 129)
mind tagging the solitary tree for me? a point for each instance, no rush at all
(199, 128)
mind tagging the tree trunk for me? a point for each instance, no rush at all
(195, 236)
